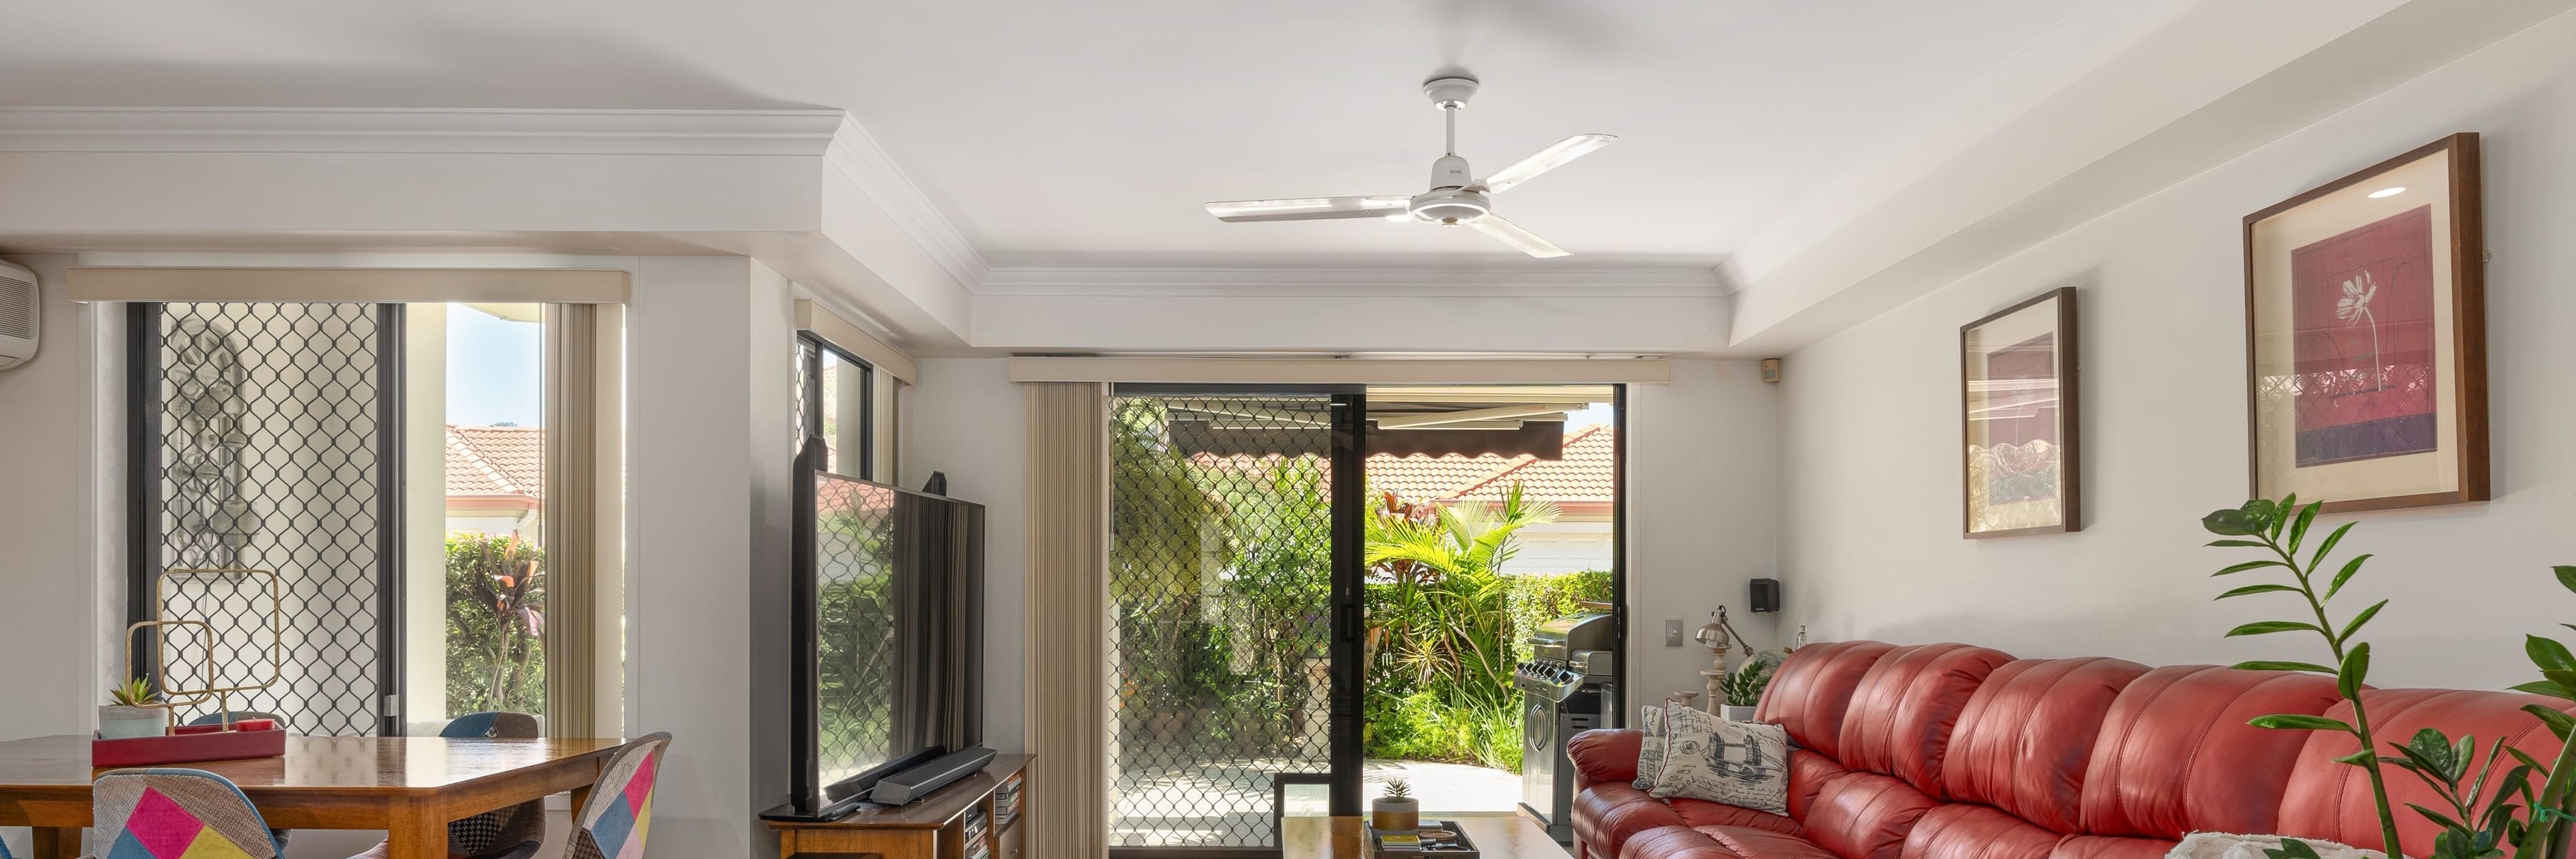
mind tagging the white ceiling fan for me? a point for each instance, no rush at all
(1454, 199)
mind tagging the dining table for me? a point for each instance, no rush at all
(410, 787)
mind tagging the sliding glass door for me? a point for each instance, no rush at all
(1234, 574)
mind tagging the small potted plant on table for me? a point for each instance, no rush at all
(1743, 686)
(1397, 811)
(128, 712)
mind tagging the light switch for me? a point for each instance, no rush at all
(1672, 632)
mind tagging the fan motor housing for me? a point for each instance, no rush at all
(1450, 206)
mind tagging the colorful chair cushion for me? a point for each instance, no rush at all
(611, 825)
(171, 813)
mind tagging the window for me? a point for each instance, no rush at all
(394, 465)
(837, 402)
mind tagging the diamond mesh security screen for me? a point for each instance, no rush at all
(1220, 584)
(261, 435)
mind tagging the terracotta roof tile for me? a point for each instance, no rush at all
(485, 460)
(1583, 475)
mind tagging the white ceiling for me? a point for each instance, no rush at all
(1055, 133)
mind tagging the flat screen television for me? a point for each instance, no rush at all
(888, 635)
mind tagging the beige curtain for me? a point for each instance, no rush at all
(1067, 599)
(571, 527)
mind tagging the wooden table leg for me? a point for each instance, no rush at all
(581, 797)
(416, 830)
(55, 842)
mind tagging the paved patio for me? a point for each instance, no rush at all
(1228, 803)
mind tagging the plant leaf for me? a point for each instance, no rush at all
(2438, 820)
(2257, 589)
(2231, 523)
(2300, 722)
(2251, 544)
(2327, 547)
(2299, 529)
(2548, 653)
(2291, 848)
(2271, 665)
(2559, 723)
(2266, 627)
(2359, 619)
(2544, 687)
(2356, 665)
(2248, 565)
(2349, 567)
(2566, 576)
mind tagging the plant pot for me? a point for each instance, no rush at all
(1740, 712)
(117, 722)
(1390, 814)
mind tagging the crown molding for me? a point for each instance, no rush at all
(427, 130)
(856, 155)
(1352, 282)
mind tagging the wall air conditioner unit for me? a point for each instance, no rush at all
(19, 320)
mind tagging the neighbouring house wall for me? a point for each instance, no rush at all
(1701, 482)
(967, 419)
(1870, 421)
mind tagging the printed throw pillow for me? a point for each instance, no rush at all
(2219, 845)
(1743, 764)
(1650, 751)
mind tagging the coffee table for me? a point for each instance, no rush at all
(1497, 836)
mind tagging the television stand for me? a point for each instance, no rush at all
(932, 827)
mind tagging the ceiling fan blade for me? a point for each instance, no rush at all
(1545, 160)
(1308, 208)
(1511, 234)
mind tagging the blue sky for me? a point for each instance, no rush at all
(494, 367)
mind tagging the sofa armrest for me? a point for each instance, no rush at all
(1604, 755)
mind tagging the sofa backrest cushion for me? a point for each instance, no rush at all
(1813, 689)
(2175, 754)
(2331, 800)
(2026, 737)
(1901, 715)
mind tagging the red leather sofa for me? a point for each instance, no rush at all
(1948, 751)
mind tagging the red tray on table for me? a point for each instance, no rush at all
(249, 738)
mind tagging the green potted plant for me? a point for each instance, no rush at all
(1743, 686)
(2521, 813)
(1397, 811)
(128, 712)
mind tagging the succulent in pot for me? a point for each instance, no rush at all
(129, 712)
(1743, 686)
(1397, 811)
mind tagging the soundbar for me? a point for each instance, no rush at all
(919, 781)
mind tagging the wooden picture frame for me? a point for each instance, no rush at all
(2019, 416)
(2365, 337)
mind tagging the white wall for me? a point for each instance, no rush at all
(707, 407)
(965, 418)
(1870, 420)
(49, 568)
(1702, 521)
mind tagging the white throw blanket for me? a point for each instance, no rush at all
(2219, 845)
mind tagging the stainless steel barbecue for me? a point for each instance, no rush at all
(1566, 688)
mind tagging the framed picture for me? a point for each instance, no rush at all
(2018, 407)
(2365, 329)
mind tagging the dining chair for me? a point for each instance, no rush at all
(217, 718)
(611, 824)
(515, 832)
(170, 813)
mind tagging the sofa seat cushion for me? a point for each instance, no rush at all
(1860, 815)
(2175, 755)
(2112, 847)
(1963, 831)
(1720, 842)
(1608, 814)
(1697, 813)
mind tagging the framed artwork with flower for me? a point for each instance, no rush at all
(2018, 415)
(2365, 330)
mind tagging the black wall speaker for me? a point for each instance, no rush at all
(1766, 595)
